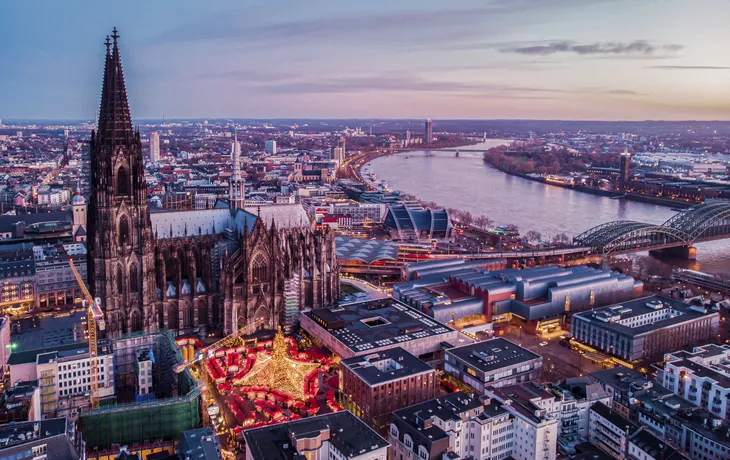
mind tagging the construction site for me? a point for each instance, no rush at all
(126, 421)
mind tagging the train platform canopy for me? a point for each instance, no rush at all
(366, 251)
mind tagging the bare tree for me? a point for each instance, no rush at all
(533, 236)
(561, 238)
(466, 218)
(512, 228)
(482, 222)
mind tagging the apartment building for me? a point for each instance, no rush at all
(701, 376)
(461, 425)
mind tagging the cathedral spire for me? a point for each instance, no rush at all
(115, 121)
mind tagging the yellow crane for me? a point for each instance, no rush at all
(94, 318)
(226, 341)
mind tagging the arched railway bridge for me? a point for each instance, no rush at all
(705, 222)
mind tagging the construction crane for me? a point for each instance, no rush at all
(226, 341)
(94, 319)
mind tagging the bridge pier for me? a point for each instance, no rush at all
(682, 252)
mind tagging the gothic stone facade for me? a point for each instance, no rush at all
(195, 279)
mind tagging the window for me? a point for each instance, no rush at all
(123, 231)
(122, 181)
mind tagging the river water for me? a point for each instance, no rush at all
(468, 184)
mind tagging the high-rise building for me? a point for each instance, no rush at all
(154, 148)
(337, 153)
(625, 175)
(270, 147)
(428, 134)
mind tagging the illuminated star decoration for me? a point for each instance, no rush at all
(278, 370)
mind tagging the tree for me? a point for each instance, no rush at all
(512, 228)
(561, 238)
(466, 218)
(482, 222)
(532, 236)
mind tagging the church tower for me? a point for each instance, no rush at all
(237, 188)
(121, 253)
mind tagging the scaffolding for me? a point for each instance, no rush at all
(145, 422)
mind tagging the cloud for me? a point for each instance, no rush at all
(689, 67)
(388, 83)
(623, 92)
(636, 47)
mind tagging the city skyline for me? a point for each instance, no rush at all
(556, 59)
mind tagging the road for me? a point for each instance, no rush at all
(559, 362)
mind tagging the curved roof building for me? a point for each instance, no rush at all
(408, 224)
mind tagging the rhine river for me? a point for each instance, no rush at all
(468, 184)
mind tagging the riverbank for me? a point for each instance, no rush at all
(600, 192)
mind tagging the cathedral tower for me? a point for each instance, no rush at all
(237, 188)
(121, 253)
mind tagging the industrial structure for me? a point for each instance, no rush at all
(705, 222)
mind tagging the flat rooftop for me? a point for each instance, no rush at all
(45, 355)
(493, 354)
(347, 433)
(392, 364)
(675, 312)
(378, 323)
(19, 433)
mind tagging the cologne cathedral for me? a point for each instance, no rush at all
(192, 271)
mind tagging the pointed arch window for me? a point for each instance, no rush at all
(259, 270)
(119, 280)
(122, 181)
(133, 278)
(123, 231)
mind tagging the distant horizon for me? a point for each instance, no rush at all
(546, 120)
(578, 60)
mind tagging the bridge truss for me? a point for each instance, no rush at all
(700, 223)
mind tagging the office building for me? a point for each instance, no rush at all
(428, 132)
(701, 376)
(539, 297)
(625, 170)
(460, 425)
(270, 147)
(373, 326)
(337, 152)
(374, 385)
(338, 435)
(645, 327)
(496, 363)
(53, 439)
(17, 276)
(154, 148)
(199, 444)
(63, 375)
(55, 284)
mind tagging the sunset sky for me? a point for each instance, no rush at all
(542, 59)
